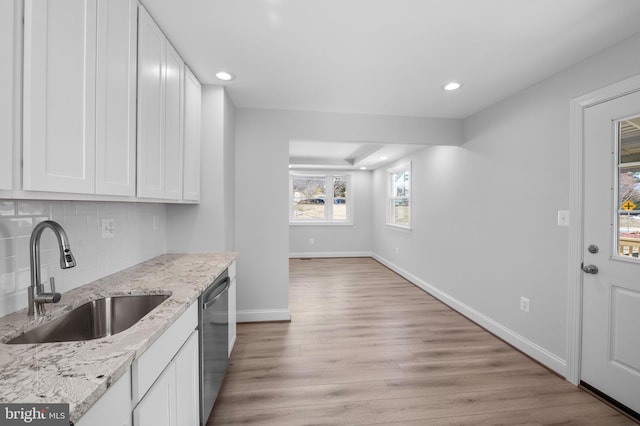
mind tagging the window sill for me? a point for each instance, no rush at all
(321, 223)
(399, 227)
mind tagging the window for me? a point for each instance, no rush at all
(319, 198)
(400, 196)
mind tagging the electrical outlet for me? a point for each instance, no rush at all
(524, 303)
(397, 250)
(312, 241)
(156, 222)
(108, 228)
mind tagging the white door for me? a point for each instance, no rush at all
(611, 293)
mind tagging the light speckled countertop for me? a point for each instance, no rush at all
(79, 373)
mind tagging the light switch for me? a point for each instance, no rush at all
(563, 217)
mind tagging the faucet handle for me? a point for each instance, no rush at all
(43, 297)
(55, 297)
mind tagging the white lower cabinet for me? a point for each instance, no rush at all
(158, 407)
(165, 379)
(173, 399)
(188, 383)
(232, 307)
(113, 408)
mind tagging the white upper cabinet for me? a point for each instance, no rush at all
(8, 80)
(103, 103)
(192, 136)
(116, 97)
(160, 113)
(151, 59)
(59, 95)
(174, 123)
(79, 96)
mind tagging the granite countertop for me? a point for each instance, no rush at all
(79, 373)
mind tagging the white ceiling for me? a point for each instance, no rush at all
(388, 57)
(346, 155)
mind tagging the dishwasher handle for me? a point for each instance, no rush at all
(208, 303)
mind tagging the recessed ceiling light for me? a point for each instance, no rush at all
(452, 86)
(383, 158)
(363, 168)
(224, 76)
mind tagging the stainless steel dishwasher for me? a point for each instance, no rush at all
(213, 317)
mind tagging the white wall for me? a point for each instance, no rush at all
(339, 240)
(135, 241)
(262, 156)
(209, 226)
(229, 172)
(485, 213)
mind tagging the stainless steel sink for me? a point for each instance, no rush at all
(99, 318)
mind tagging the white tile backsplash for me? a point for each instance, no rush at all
(7, 208)
(135, 241)
(32, 208)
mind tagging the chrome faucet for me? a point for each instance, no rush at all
(37, 296)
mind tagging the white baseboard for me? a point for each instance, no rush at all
(330, 254)
(262, 315)
(535, 351)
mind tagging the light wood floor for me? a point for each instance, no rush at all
(366, 347)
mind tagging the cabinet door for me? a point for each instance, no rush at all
(158, 407)
(173, 129)
(59, 95)
(116, 97)
(192, 136)
(113, 408)
(232, 314)
(151, 72)
(8, 21)
(187, 382)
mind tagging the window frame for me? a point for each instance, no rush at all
(392, 198)
(329, 198)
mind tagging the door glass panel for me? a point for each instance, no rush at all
(628, 200)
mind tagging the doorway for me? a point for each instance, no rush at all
(604, 290)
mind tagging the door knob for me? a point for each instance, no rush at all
(590, 269)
